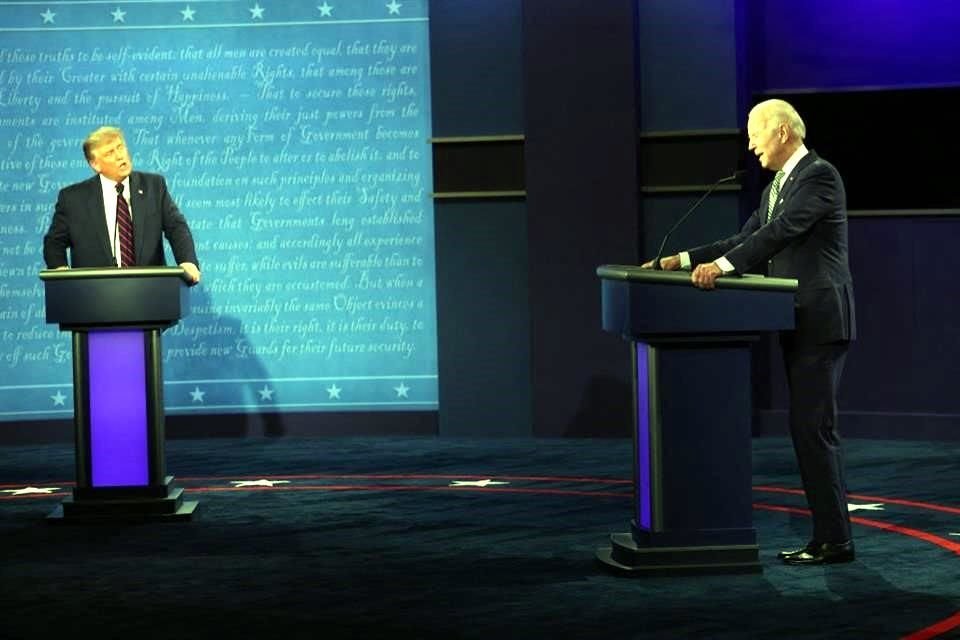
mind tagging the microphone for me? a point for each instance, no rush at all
(730, 178)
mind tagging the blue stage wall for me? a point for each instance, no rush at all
(824, 44)
(293, 137)
(876, 81)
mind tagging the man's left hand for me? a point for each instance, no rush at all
(705, 275)
(190, 269)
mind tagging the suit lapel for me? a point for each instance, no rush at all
(139, 205)
(97, 214)
(786, 189)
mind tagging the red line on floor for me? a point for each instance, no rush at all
(943, 626)
(409, 476)
(936, 629)
(388, 487)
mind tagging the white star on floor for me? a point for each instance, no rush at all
(873, 506)
(187, 14)
(30, 490)
(266, 393)
(334, 392)
(402, 390)
(196, 395)
(47, 16)
(475, 483)
(58, 399)
(256, 13)
(262, 482)
(118, 15)
(394, 7)
(325, 10)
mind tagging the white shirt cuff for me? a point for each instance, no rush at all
(725, 265)
(685, 260)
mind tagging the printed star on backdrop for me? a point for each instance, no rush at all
(31, 491)
(394, 7)
(58, 399)
(475, 483)
(873, 506)
(118, 15)
(256, 13)
(187, 14)
(266, 393)
(47, 16)
(325, 10)
(402, 390)
(334, 391)
(196, 395)
(262, 482)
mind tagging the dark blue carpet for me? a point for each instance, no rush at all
(366, 538)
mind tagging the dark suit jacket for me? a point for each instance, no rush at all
(79, 224)
(806, 240)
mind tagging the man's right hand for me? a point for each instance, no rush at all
(670, 263)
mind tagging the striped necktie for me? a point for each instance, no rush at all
(125, 230)
(774, 194)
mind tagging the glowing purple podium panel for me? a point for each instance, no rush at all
(118, 409)
(116, 317)
(690, 354)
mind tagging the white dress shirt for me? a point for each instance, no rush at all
(110, 210)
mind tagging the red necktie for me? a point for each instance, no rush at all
(124, 230)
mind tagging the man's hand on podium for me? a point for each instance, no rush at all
(705, 275)
(670, 263)
(193, 274)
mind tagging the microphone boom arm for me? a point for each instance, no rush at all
(730, 178)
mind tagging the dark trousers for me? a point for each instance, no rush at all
(813, 375)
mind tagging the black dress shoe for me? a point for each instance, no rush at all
(811, 546)
(825, 553)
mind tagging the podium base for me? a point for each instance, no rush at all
(184, 512)
(625, 557)
(125, 504)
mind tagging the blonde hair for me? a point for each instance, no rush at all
(782, 112)
(99, 137)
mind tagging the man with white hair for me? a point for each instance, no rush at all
(799, 231)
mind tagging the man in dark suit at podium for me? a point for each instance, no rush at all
(118, 217)
(800, 231)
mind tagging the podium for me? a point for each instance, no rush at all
(116, 317)
(692, 411)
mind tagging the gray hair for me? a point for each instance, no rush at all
(782, 112)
